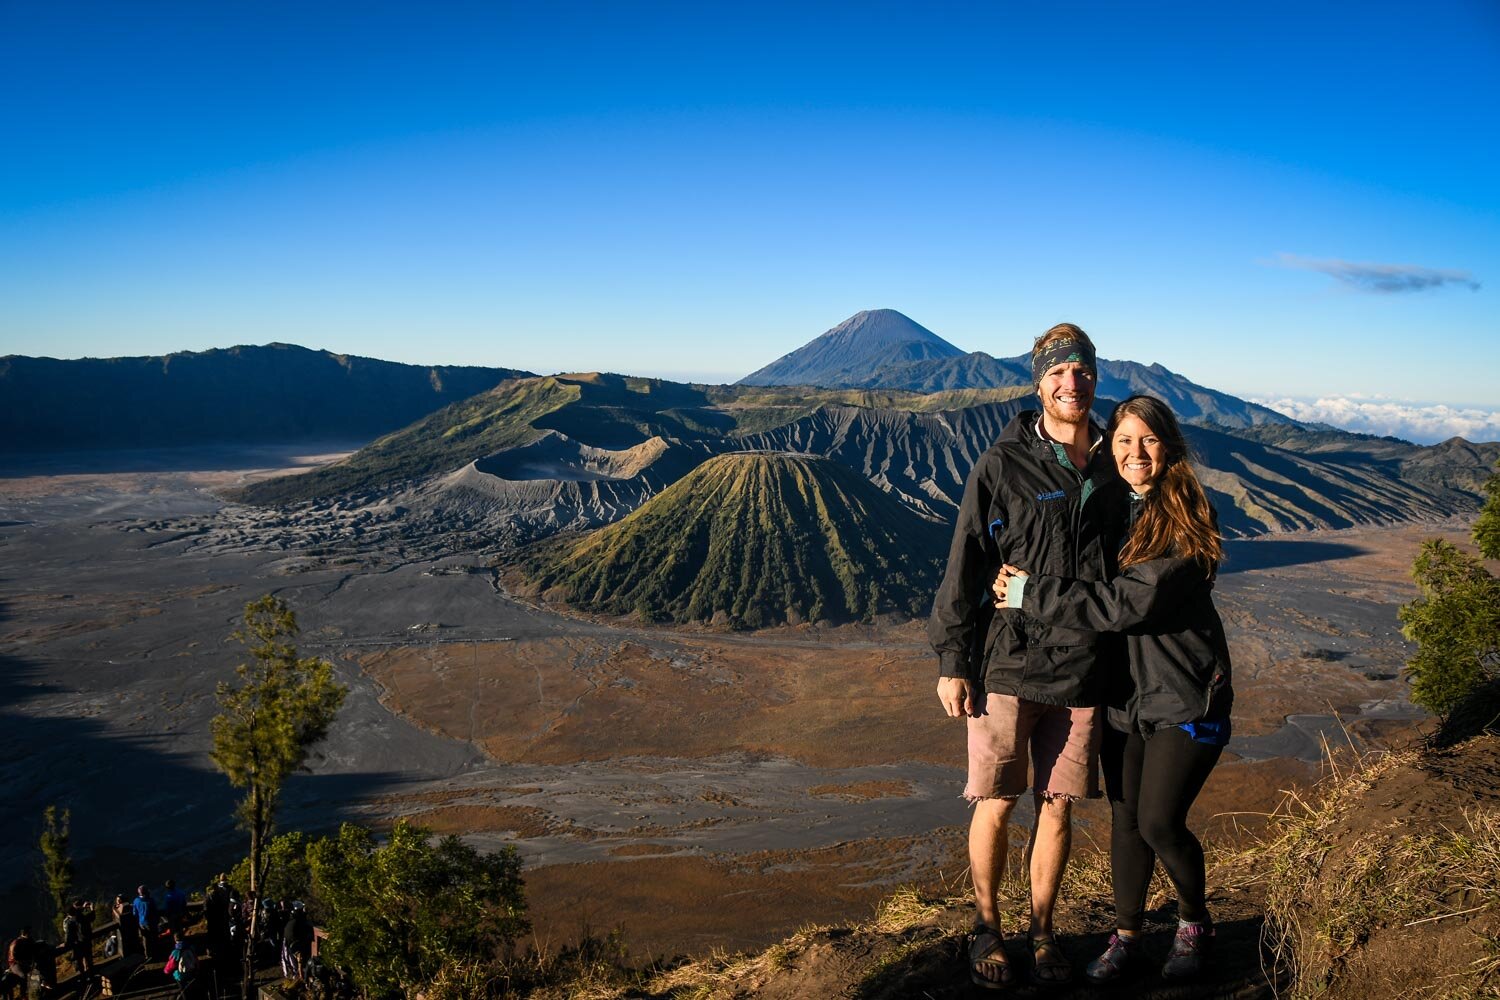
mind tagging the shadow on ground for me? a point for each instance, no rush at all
(143, 808)
(1269, 553)
(937, 968)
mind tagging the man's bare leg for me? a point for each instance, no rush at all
(1051, 843)
(988, 844)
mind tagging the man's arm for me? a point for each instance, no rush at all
(962, 594)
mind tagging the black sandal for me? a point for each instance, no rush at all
(1047, 957)
(987, 948)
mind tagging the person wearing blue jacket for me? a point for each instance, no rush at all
(146, 918)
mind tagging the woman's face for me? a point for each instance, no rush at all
(1140, 455)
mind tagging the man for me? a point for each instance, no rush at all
(1039, 498)
(298, 939)
(216, 909)
(20, 959)
(78, 935)
(144, 908)
(174, 905)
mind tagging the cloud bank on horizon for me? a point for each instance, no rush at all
(1381, 278)
(1424, 423)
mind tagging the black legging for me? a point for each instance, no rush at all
(1151, 785)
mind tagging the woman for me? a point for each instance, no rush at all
(125, 925)
(1168, 727)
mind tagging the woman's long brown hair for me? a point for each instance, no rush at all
(1176, 518)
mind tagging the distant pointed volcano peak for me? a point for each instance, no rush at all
(863, 343)
(884, 326)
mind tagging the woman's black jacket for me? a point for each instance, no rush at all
(1179, 659)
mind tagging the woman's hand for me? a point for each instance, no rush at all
(1007, 573)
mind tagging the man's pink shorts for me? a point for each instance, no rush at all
(1063, 745)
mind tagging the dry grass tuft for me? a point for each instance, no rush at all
(904, 909)
(1088, 873)
(724, 975)
(1327, 891)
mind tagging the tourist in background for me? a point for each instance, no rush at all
(78, 935)
(20, 959)
(299, 941)
(217, 907)
(182, 963)
(127, 930)
(174, 907)
(146, 918)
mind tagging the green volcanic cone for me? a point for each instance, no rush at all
(754, 538)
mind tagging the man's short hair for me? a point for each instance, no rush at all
(1063, 331)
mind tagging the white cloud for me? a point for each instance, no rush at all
(1381, 278)
(1425, 423)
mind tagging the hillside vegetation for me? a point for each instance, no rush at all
(754, 539)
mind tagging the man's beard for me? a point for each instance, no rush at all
(1066, 416)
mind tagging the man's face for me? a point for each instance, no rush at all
(1067, 392)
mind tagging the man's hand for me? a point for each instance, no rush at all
(957, 696)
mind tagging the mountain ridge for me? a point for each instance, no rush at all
(899, 353)
(272, 393)
(536, 456)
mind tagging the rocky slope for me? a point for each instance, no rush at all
(1117, 380)
(756, 539)
(534, 456)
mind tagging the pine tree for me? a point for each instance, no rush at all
(1456, 621)
(57, 859)
(282, 707)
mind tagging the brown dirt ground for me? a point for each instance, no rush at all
(830, 697)
(594, 700)
(1435, 797)
(863, 790)
(828, 706)
(522, 821)
(699, 905)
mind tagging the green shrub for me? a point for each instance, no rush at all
(1456, 621)
(410, 912)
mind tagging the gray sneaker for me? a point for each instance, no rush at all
(1189, 952)
(1118, 960)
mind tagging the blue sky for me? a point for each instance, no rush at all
(1291, 202)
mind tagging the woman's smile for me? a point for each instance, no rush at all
(1140, 455)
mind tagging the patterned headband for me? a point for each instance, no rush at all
(1061, 352)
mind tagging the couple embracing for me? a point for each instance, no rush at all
(1076, 632)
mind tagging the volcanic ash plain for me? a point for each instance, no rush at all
(646, 774)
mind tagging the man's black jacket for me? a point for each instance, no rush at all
(1023, 506)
